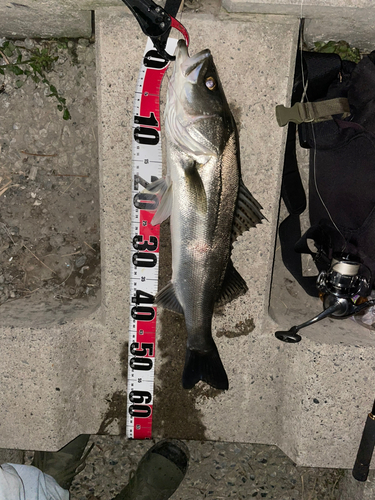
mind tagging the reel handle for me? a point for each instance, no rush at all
(291, 336)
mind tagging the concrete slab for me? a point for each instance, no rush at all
(326, 20)
(22, 20)
(253, 87)
(309, 399)
(50, 18)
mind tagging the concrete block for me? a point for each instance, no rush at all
(253, 86)
(34, 21)
(50, 18)
(309, 399)
(326, 20)
(65, 375)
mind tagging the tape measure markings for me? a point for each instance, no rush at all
(146, 167)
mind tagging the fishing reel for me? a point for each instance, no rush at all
(343, 289)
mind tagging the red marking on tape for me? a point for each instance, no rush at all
(146, 331)
(146, 229)
(143, 427)
(150, 93)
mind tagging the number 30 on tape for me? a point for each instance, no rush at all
(144, 265)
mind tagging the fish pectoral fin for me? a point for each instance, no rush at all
(164, 209)
(206, 366)
(166, 297)
(195, 188)
(162, 189)
(233, 286)
(158, 186)
(247, 214)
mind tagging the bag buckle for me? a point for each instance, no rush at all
(298, 113)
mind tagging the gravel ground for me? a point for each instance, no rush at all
(49, 234)
(216, 470)
(49, 200)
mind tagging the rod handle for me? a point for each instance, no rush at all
(366, 448)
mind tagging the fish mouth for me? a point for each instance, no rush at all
(186, 63)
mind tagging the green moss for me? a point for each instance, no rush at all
(342, 48)
(33, 63)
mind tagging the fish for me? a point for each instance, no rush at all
(209, 208)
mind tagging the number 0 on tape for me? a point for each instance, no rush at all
(144, 265)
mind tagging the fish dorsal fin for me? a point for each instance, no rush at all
(166, 297)
(195, 188)
(247, 214)
(162, 188)
(233, 286)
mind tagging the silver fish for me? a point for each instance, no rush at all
(209, 207)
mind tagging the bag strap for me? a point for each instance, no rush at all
(305, 112)
(289, 234)
(292, 190)
(320, 70)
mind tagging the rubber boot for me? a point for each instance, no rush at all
(159, 472)
(65, 464)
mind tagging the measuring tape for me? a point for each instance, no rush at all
(144, 264)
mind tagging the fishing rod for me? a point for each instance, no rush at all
(366, 448)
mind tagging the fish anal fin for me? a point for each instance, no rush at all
(233, 286)
(247, 214)
(206, 366)
(166, 297)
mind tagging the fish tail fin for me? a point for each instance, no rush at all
(205, 366)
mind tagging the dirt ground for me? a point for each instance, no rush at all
(49, 200)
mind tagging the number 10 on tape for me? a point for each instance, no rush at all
(146, 167)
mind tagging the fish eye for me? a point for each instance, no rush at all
(210, 83)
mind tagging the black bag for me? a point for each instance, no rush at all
(337, 123)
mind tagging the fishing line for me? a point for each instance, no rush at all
(166, 76)
(305, 84)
